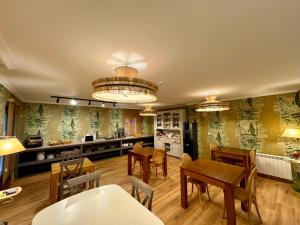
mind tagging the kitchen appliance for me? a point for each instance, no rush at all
(190, 142)
(89, 138)
(33, 141)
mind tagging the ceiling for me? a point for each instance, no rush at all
(231, 48)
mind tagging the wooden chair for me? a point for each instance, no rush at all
(213, 146)
(157, 160)
(145, 188)
(68, 170)
(252, 159)
(70, 155)
(79, 184)
(137, 147)
(248, 195)
(186, 159)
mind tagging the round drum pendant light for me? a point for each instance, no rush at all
(125, 87)
(212, 105)
(148, 111)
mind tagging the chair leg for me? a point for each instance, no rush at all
(141, 168)
(134, 162)
(224, 213)
(249, 213)
(192, 187)
(257, 211)
(208, 192)
(163, 171)
(199, 192)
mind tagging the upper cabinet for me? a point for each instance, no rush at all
(170, 119)
(169, 131)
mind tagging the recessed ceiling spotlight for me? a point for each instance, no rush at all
(57, 100)
(73, 102)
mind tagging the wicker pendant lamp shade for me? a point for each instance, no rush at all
(125, 87)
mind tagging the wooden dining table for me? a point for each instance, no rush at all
(87, 167)
(235, 155)
(144, 156)
(219, 174)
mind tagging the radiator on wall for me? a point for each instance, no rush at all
(275, 166)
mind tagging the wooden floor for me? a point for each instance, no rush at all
(278, 203)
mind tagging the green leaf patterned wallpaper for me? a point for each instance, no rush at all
(70, 123)
(251, 123)
(55, 122)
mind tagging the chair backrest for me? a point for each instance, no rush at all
(90, 179)
(251, 183)
(70, 169)
(158, 156)
(213, 146)
(253, 158)
(70, 155)
(137, 147)
(147, 189)
(186, 159)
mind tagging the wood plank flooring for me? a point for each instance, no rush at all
(278, 203)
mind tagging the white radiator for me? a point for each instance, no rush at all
(276, 166)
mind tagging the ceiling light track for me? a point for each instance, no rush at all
(88, 101)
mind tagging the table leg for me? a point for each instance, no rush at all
(129, 163)
(183, 187)
(145, 169)
(212, 155)
(53, 187)
(229, 204)
(244, 181)
(165, 165)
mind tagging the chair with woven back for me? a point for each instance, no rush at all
(186, 159)
(70, 155)
(248, 196)
(84, 182)
(68, 170)
(138, 185)
(157, 160)
(137, 147)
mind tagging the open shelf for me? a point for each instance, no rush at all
(100, 151)
(27, 163)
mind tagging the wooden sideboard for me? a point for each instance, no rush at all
(27, 162)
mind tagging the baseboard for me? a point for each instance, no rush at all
(273, 178)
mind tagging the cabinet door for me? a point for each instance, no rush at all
(159, 121)
(157, 143)
(177, 150)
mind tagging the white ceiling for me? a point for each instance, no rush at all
(232, 48)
